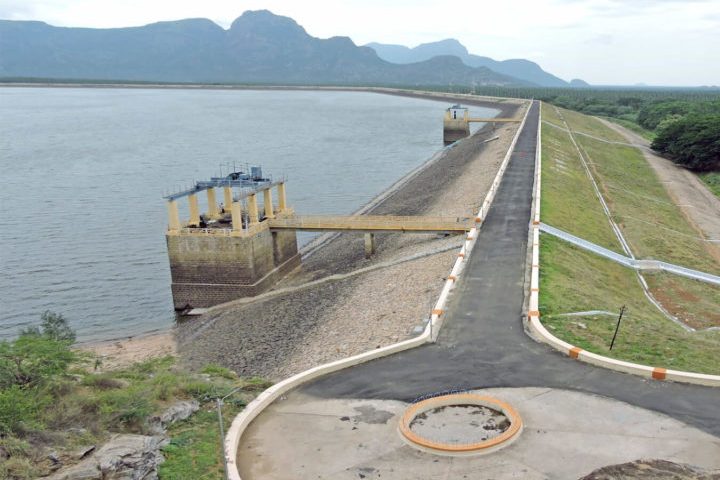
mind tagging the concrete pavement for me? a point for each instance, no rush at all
(567, 435)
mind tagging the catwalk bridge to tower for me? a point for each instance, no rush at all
(372, 223)
(242, 246)
(457, 120)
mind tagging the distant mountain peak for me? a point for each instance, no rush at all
(578, 82)
(267, 23)
(448, 46)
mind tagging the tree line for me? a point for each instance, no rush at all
(686, 132)
(685, 121)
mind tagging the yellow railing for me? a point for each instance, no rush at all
(494, 120)
(373, 223)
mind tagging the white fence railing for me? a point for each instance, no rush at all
(631, 262)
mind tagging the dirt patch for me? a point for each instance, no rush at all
(122, 353)
(692, 302)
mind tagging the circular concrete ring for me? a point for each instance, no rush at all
(486, 446)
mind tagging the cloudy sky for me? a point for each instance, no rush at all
(656, 42)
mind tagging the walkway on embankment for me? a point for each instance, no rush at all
(483, 343)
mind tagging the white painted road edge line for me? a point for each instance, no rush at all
(541, 333)
(262, 401)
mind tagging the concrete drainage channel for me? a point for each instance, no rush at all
(460, 424)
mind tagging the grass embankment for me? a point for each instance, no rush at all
(53, 404)
(712, 180)
(648, 135)
(573, 280)
(650, 221)
(568, 201)
(194, 450)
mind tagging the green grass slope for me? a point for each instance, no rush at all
(572, 280)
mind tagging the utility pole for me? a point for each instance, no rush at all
(219, 403)
(617, 327)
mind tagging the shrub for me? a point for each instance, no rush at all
(148, 368)
(256, 384)
(20, 409)
(31, 359)
(124, 409)
(14, 447)
(18, 468)
(165, 385)
(103, 382)
(218, 371)
(68, 411)
(54, 326)
(38, 354)
(201, 390)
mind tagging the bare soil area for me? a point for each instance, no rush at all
(124, 352)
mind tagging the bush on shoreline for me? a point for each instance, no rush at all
(51, 401)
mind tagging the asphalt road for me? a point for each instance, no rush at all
(482, 343)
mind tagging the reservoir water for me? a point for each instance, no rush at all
(84, 171)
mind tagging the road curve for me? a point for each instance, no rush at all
(483, 343)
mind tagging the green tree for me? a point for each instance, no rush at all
(692, 141)
(30, 359)
(39, 353)
(20, 408)
(54, 326)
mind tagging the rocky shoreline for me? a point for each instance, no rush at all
(307, 325)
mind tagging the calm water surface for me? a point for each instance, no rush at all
(84, 172)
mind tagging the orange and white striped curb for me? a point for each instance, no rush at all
(540, 332)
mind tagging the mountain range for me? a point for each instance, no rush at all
(259, 47)
(517, 68)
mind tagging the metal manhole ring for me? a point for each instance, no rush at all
(461, 399)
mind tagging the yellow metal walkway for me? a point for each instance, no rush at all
(494, 120)
(372, 223)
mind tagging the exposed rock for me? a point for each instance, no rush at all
(124, 457)
(652, 470)
(53, 457)
(84, 452)
(178, 411)
(87, 470)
